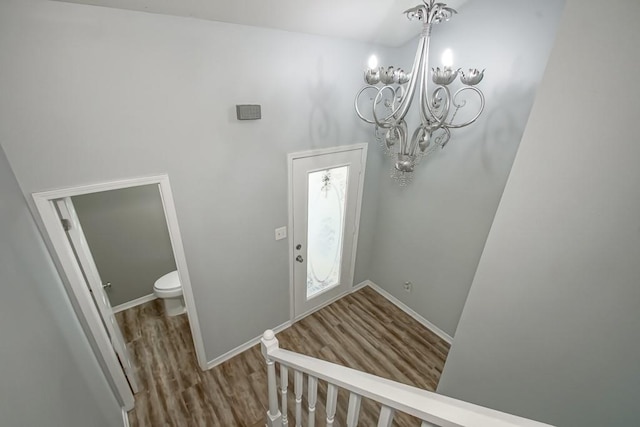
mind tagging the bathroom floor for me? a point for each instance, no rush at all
(162, 350)
(362, 330)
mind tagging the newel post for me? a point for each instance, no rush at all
(269, 342)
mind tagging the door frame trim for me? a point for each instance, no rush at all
(85, 306)
(84, 258)
(312, 153)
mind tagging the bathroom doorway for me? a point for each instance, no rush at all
(112, 261)
(126, 232)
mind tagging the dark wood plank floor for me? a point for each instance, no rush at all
(362, 331)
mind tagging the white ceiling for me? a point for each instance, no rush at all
(375, 21)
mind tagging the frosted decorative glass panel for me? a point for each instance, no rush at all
(325, 228)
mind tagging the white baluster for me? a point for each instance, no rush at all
(312, 399)
(332, 397)
(298, 391)
(284, 382)
(386, 417)
(354, 409)
(269, 342)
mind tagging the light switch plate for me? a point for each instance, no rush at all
(281, 233)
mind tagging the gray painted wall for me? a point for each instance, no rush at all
(551, 328)
(432, 232)
(48, 374)
(92, 94)
(127, 233)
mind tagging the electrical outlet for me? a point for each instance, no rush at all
(408, 286)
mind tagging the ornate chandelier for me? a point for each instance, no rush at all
(391, 91)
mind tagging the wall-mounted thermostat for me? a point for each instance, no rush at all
(248, 112)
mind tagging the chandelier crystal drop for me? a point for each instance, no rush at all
(390, 93)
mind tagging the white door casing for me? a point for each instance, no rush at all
(86, 308)
(81, 248)
(325, 190)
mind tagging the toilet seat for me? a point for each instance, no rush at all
(168, 286)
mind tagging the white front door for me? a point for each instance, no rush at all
(326, 194)
(72, 226)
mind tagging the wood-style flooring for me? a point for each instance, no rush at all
(362, 330)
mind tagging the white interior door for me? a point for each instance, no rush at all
(326, 193)
(82, 252)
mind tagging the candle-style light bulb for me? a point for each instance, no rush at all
(447, 58)
(373, 62)
(372, 75)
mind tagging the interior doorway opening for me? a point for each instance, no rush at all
(85, 285)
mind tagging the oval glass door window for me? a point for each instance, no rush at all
(326, 209)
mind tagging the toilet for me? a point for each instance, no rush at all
(169, 289)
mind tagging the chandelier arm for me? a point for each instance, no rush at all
(447, 136)
(376, 101)
(362, 117)
(400, 93)
(430, 117)
(439, 119)
(427, 116)
(386, 122)
(482, 103)
(417, 134)
(407, 98)
(395, 134)
(403, 130)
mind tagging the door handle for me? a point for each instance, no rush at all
(299, 258)
(106, 285)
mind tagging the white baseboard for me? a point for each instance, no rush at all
(361, 285)
(125, 418)
(243, 347)
(402, 306)
(134, 303)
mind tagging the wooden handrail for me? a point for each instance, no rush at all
(434, 408)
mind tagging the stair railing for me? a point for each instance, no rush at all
(433, 409)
